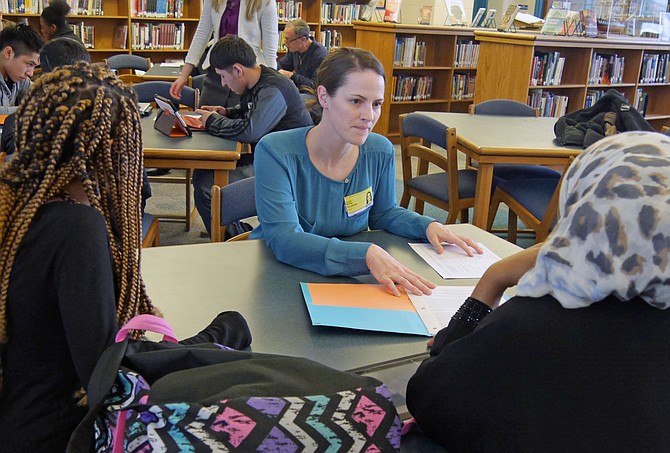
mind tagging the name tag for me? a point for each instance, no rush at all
(358, 202)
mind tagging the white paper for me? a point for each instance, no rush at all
(172, 65)
(454, 262)
(437, 309)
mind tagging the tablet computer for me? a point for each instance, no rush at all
(168, 108)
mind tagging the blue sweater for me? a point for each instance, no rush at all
(301, 211)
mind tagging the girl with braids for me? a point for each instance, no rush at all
(70, 251)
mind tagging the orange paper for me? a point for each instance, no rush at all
(359, 296)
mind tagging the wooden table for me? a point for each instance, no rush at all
(503, 140)
(161, 71)
(200, 151)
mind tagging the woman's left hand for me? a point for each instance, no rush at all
(437, 233)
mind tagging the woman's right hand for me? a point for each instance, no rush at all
(390, 272)
(177, 86)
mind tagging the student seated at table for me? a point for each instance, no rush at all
(70, 251)
(578, 360)
(269, 102)
(19, 55)
(304, 55)
(338, 179)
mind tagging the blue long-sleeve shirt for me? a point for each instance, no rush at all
(301, 211)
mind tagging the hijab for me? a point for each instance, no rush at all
(612, 236)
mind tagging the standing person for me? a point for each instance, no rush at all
(53, 22)
(577, 361)
(255, 21)
(269, 102)
(70, 250)
(338, 179)
(304, 55)
(19, 55)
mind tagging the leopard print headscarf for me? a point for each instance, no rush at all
(613, 231)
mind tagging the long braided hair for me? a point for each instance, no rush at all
(78, 123)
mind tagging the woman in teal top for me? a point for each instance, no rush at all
(338, 179)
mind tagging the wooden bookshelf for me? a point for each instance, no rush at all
(439, 63)
(505, 62)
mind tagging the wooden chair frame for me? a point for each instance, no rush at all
(419, 148)
(152, 238)
(217, 230)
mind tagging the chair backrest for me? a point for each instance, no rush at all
(665, 130)
(126, 61)
(232, 203)
(198, 81)
(506, 107)
(146, 92)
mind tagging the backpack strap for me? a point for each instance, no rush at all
(147, 322)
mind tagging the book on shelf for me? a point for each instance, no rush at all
(546, 68)
(289, 10)
(549, 104)
(367, 10)
(335, 13)
(330, 38)
(606, 69)
(655, 68)
(425, 15)
(467, 54)
(490, 19)
(508, 18)
(411, 88)
(554, 22)
(640, 103)
(463, 86)
(587, 19)
(392, 12)
(476, 21)
(525, 20)
(408, 52)
(456, 12)
(120, 40)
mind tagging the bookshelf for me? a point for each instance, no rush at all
(444, 56)
(163, 37)
(591, 67)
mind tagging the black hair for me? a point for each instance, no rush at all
(60, 52)
(22, 39)
(55, 13)
(231, 50)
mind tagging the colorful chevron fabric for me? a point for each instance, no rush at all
(360, 420)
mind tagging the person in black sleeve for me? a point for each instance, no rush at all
(70, 239)
(269, 102)
(578, 360)
(304, 55)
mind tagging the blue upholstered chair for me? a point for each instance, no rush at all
(126, 66)
(450, 189)
(232, 203)
(150, 231)
(534, 201)
(198, 81)
(147, 91)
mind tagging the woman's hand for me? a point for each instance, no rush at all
(436, 233)
(177, 86)
(504, 274)
(389, 272)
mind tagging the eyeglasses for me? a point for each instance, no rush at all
(289, 41)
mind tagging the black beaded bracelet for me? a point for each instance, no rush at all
(472, 312)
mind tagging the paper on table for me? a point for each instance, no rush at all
(437, 309)
(454, 263)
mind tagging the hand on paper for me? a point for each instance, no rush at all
(389, 272)
(504, 274)
(206, 110)
(436, 233)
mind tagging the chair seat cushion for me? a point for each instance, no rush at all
(514, 171)
(437, 184)
(532, 194)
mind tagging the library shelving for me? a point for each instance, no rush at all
(591, 66)
(438, 63)
(115, 25)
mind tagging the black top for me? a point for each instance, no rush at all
(61, 313)
(273, 104)
(304, 65)
(534, 376)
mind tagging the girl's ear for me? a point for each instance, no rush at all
(322, 95)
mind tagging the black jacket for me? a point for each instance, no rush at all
(587, 126)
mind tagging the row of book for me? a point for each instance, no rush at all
(289, 10)
(282, 40)
(606, 69)
(336, 13)
(655, 68)
(467, 54)
(411, 88)
(640, 103)
(78, 7)
(408, 52)
(158, 8)
(151, 36)
(592, 96)
(85, 32)
(330, 38)
(546, 69)
(463, 86)
(550, 104)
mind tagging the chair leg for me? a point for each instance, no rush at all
(418, 206)
(404, 201)
(453, 216)
(189, 174)
(465, 216)
(512, 227)
(493, 210)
